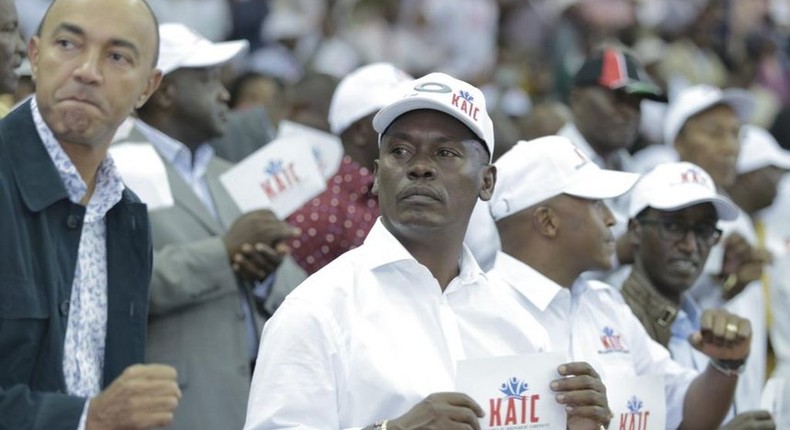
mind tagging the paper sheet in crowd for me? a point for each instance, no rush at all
(637, 402)
(325, 147)
(514, 391)
(281, 176)
(144, 173)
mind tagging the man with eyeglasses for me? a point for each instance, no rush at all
(673, 214)
(549, 210)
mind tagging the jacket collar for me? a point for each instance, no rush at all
(661, 311)
(36, 176)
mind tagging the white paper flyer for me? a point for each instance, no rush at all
(637, 402)
(514, 391)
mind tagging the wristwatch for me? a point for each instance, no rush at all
(380, 425)
(729, 367)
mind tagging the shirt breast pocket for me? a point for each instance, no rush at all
(23, 322)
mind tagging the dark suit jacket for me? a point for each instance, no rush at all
(39, 236)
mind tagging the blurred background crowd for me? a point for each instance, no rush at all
(523, 53)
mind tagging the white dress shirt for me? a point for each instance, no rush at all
(591, 322)
(372, 334)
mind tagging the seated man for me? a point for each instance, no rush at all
(376, 333)
(667, 204)
(554, 226)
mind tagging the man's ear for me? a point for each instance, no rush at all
(634, 233)
(546, 221)
(32, 55)
(375, 188)
(489, 181)
(163, 97)
(150, 87)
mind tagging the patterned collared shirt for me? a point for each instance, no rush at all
(83, 350)
(337, 220)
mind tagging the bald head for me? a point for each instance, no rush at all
(93, 62)
(137, 5)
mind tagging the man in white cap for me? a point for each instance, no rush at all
(339, 218)
(668, 203)
(208, 258)
(703, 126)
(762, 168)
(372, 339)
(554, 226)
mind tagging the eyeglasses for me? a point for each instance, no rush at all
(674, 230)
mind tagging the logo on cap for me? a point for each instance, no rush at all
(464, 102)
(693, 176)
(614, 70)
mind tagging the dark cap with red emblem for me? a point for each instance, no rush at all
(616, 70)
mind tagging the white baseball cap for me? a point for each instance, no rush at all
(760, 149)
(536, 170)
(363, 92)
(674, 186)
(699, 98)
(179, 46)
(443, 93)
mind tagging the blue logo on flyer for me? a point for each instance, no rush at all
(515, 408)
(279, 177)
(636, 418)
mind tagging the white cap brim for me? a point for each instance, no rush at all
(207, 55)
(725, 209)
(390, 113)
(596, 184)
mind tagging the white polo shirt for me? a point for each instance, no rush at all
(372, 334)
(591, 322)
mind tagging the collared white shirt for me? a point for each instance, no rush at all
(591, 322)
(687, 322)
(372, 334)
(176, 154)
(83, 349)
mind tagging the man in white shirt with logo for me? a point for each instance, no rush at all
(554, 226)
(372, 339)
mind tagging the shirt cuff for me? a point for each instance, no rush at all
(84, 416)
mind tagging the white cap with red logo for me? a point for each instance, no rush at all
(537, 170)
(675, 186)
(443, 93)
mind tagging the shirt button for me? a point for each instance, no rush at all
(64, 307)
(73, 221)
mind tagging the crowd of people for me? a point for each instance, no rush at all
(602, 179)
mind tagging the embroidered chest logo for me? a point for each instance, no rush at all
(612, 341)
(515, 408)
(279, 178)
